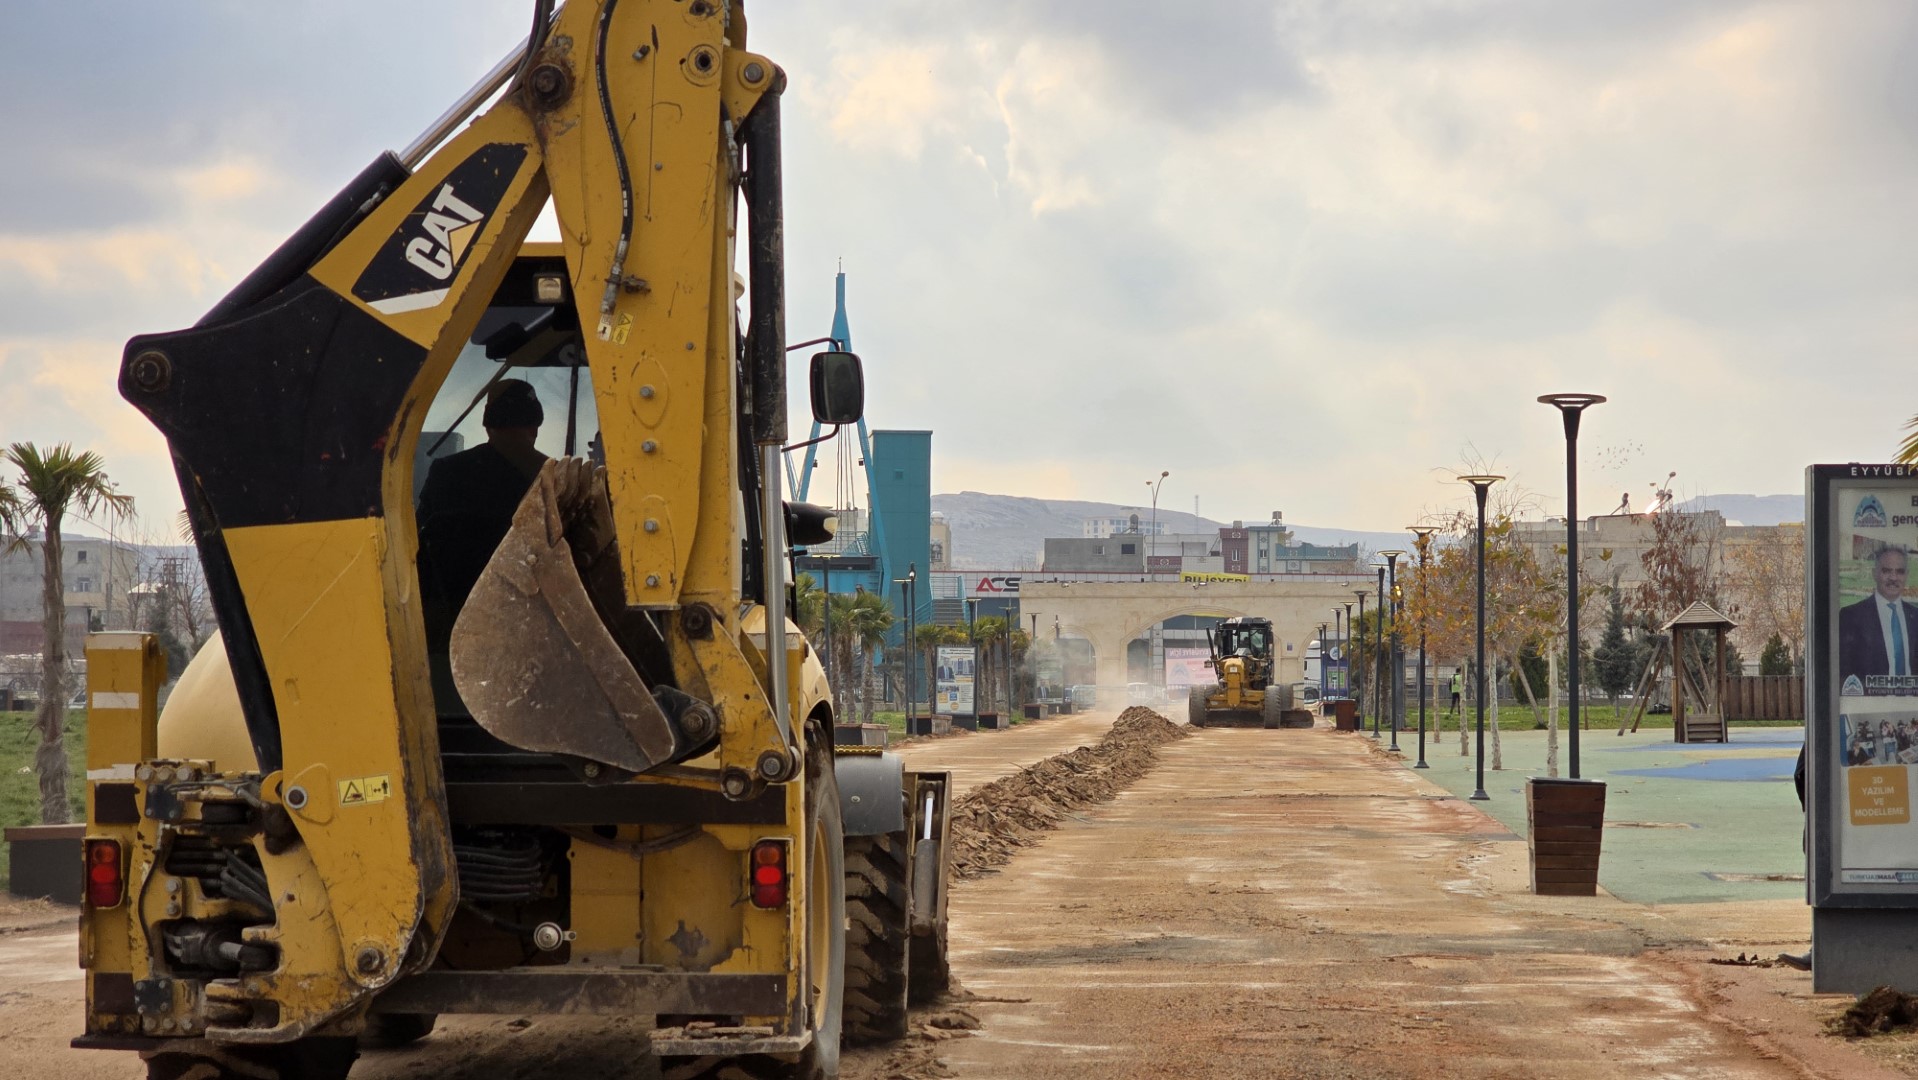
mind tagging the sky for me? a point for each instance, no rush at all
(1308, 256)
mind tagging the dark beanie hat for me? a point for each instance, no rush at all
(512, 404)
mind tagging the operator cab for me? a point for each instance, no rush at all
(1236, 635)
(529, 334)
(1250, 638)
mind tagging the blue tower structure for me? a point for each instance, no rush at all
(899, 477)
(898, 468)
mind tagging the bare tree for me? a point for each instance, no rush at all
(1766, 579)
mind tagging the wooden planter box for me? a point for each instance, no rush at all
(1566, 825)
(1035, 711)
(1345, 715)
(992, 721)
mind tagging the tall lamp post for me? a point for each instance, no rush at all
(1481, 485)
(1349, 626)
(1337, 685)
(1152, 541)
(1424, 545)
(1345, 658)
(1378, 647)
(972, 639)
(825, 621)
(907, 588)
(1570, 408)
(1390, 602)
(1324, 658)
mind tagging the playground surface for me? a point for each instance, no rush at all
(1684, 822)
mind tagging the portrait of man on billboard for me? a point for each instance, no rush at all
(1875, 634)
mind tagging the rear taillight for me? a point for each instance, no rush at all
(106, 884)
(769, 874)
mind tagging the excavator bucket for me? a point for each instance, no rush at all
(533, 661)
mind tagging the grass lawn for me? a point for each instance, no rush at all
(20, 788)
(1524, 718)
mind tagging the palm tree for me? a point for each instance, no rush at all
(868, 618)
(988, 632)
(12, 510)
(928, 637)
(809, 605)
(55, 481)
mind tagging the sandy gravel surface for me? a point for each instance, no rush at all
(1292, 904)
(1283, 904)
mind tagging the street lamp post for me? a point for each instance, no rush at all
(1152, 541)
(1397, 676)
(1570, 408)
(1424, 545)
(1324, 658)
(1345, 658)
(972, 639)
(825, 625)
(1480, 485)
(908, 590)
(1357, 701)
(1378, 648)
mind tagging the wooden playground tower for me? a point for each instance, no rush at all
(1699, 688)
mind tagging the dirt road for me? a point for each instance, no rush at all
(1284, 904)
(41, 988)
(1295, 904)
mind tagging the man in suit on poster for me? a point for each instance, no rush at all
(1875, 634)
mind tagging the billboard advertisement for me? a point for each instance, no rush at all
(952, 681)
(1862, 739)
(1185, 667)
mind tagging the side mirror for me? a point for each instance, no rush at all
(808, 525)
(838, 388)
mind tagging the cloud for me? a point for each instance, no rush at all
(1299, 253)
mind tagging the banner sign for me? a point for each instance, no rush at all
(1862, 738)
(1185, 667)
(952, 681)
(1196, 575)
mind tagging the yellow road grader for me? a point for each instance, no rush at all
(1246, 687)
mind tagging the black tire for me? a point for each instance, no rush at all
(390, 1031)
(1284, 693)
(320, 1058)
(1195, 705)
(826, 916)
(878, 906)
(1272, 713)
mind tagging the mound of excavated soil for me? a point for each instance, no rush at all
(1880, 1012)
(995, 820)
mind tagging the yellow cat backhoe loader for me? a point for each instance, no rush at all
(599, 776)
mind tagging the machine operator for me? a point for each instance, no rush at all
(467, 505)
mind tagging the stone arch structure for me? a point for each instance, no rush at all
(1203, 611)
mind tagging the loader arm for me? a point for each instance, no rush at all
(294, 411)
